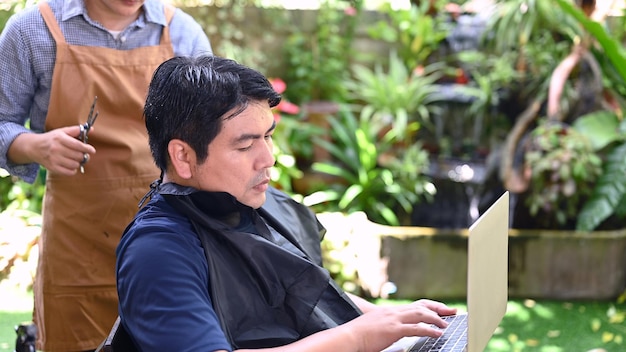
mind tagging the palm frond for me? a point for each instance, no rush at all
(609, 193)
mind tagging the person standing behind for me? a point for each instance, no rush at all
(55, 59)
(218, 259)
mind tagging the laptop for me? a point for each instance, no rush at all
(487, 288)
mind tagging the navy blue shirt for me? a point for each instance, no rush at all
(161, 264)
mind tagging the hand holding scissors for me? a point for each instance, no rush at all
(84, 131)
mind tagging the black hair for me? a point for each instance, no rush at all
(189, 97)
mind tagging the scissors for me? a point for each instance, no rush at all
(84, 130)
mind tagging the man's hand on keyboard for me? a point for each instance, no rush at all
(380, 327)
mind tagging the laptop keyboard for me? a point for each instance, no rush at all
(454, 338)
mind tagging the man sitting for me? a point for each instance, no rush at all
(218, 260)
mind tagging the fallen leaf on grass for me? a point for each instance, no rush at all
(595, 325)
(532, 342)
(607, 337)
(554, 333)
(615, 316)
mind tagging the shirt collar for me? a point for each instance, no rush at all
(153, 10)
(72, 8)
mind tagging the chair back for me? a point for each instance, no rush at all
(118, 340)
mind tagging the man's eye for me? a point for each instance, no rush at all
(246, 148)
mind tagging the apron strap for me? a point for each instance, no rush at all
(51, 22)
(169, 14)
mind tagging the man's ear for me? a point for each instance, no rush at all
(182, 157)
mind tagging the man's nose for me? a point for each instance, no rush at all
(267, 157)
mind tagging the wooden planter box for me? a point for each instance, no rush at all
(424, 262)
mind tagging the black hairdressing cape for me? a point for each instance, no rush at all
(264, 295)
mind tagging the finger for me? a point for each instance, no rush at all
(421, 314)
(77, 145)
(71, 165)
(76, 131)
(64, 169)
(439, 307)
(75, 161)
(435, 320)
(73, 131)
(428, 330)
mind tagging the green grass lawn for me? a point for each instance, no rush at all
(555, 326)
(8, 321)
(542, 326)
(15, 308)
(561, 327)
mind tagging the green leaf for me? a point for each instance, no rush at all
(608, 194)
(349, 195)
(338, 153)
(320, 197)
(602, 128)
(333, 170)
(612, 48)
(389, 215)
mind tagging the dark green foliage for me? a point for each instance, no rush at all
(609, 195)
(16, 194)
(373, 176)
(318, 62)
(564, 168)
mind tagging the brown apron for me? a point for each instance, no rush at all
(84, 215)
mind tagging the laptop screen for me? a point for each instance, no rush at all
(487, 273)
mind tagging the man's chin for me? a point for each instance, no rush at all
(257, 201)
